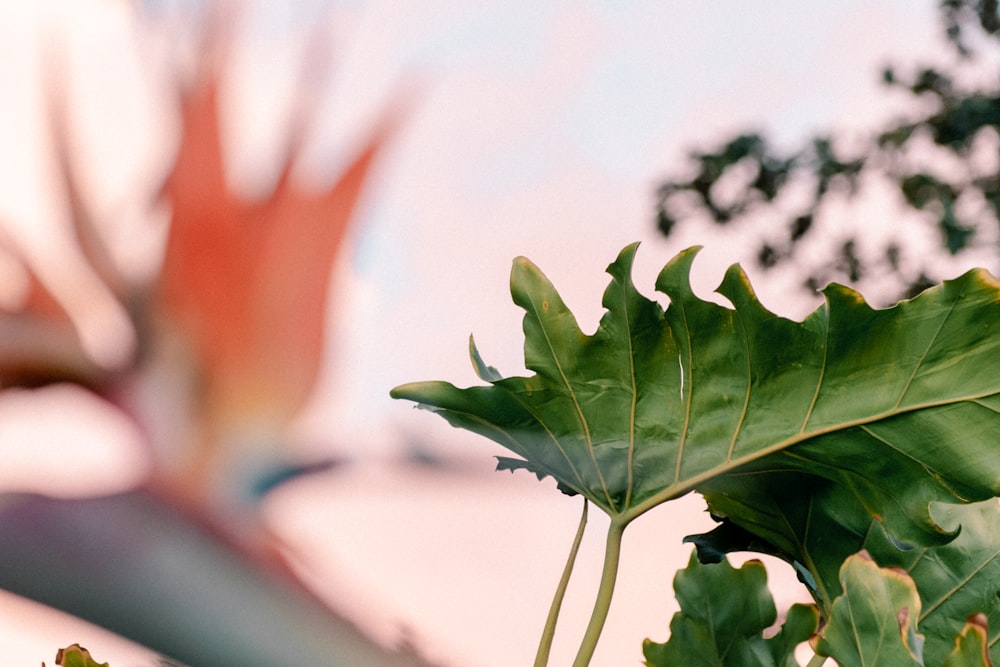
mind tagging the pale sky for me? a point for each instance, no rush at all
(543, 131)
(536, 129)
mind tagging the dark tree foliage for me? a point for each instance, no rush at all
(933, 159)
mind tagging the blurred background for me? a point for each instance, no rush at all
(172, 332)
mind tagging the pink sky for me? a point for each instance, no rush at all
(540, 130)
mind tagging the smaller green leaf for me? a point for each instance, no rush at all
(724, 612)
(485, 372)
(75, 655)
(972, 646)
(874, 621)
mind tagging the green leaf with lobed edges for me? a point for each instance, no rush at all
(724, 612)
(895, 407)
(804, 522)
(874, 622)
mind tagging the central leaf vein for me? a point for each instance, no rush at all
(581, 418)
(746, 398)
(634, 399)
(822, 374)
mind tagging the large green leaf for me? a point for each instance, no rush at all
(724, 612)
(895, 407)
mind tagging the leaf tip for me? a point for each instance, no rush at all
(410, 391)
(522, 266)
(736, 287)
(484, 371)
(675, 278)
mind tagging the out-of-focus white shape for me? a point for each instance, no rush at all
(88, 52)
(65, 442)
(14, 283)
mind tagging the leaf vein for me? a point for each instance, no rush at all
(822, 374)
(588, 439)
(677, 488)
(635, 398)
(746, 398)
(513, 443)
(930, 473)
(552, 436)
(923, 357)
(964, 581)
(979, 402)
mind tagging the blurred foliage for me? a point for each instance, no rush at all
(933, 159)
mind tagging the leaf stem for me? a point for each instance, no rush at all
(605, 591)
(545, 644)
